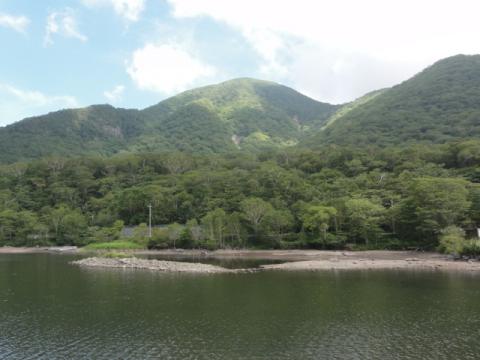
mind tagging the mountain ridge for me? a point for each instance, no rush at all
(439, 104)
(240, 109)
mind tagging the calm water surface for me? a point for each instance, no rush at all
(52, 310)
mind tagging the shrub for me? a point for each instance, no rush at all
(471, 248)
(452, 240)
(140, 234)
(159, 239)
(105, 234)
(114, 245)
(117, 255)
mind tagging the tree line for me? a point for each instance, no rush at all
(329, 198)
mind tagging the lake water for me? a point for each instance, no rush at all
(52, 310)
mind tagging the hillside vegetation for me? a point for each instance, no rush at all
(440, 104)
(333, 198)
(99, 129)
(241, 114)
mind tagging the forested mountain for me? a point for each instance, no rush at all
(99, 129)
(197, 159)
(440, 104)
(241, 114)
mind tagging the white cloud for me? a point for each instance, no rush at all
(17, 23)
(62, 23)
(129, 9)
(115, 94)
(16, 103)
(166, 68)
(349, 39)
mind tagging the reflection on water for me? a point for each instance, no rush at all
(51, 310)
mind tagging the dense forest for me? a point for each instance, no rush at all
(332, 198)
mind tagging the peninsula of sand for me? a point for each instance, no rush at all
(295, 260)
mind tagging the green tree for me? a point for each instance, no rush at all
(364, 219)
(235, 229)
(318, 218)
(174, 233)
(439, 203)
(7, 227)
(75, 228)
(276, 224)
(195, 231)
(474, 211)
(215, 224)
(69, 226)
(21, 228)
(254, 211)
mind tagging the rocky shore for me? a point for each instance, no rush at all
(155, 265)
(342, 263)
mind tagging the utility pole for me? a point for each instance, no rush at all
(150, 221)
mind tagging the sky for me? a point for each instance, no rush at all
(59, 54)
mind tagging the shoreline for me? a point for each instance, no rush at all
(327, 260)
(366, 264)
(294, 260)
(37, 250)
(155, 265)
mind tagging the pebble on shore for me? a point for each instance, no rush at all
(156, 265)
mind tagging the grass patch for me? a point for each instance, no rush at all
(114, 245)
(117, 255)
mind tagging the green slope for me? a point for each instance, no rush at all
(248, 106)
(240, 114)
(99, 129)
(347, 108)
(192, 127)
(442, 103)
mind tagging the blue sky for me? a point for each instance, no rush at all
(134, 53)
